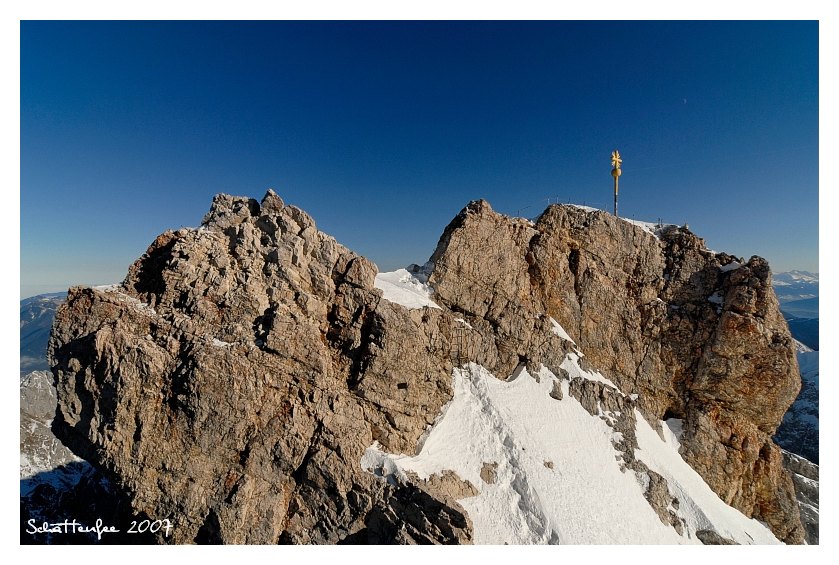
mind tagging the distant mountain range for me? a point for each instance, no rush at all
(799, 431)
(795, 285)
(798, 293)
(36, 315)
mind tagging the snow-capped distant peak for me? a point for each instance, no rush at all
(795, 277)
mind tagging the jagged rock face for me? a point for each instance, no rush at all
(805, 477)
(799, 431)
(663, 317)
(234, 380)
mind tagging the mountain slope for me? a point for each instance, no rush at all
(805, 476)
(806, 331)
(548, 471)
(240, 374)
(39, 449)
(805, 308)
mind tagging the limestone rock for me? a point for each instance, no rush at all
(445, 485)
(696, 335)
(236, 377)
(488, 473)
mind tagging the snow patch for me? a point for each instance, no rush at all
(560, 331)
(572, 365)
(402, 287)
(651, 228)
(699, 506)
(465, 323)
(730, 267)
(583, 497)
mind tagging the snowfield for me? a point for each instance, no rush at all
(557, 474)
(401, 287)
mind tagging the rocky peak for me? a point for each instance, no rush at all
(238, 374)
(697, 335)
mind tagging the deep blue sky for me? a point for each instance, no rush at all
(383, 131)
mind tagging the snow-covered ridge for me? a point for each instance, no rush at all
(555, 475)
(405, 288)
(652, 228)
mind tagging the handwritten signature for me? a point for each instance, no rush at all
(75, 527)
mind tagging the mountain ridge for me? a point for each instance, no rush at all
(260, 325)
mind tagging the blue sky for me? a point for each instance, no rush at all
(383, 131)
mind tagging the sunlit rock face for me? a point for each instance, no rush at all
(237, 376)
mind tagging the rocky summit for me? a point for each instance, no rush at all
(237, 378)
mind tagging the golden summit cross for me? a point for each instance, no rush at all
(616, 172)
(616, 159)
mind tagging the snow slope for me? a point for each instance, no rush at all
(404, 288)
(699, 506)
(40, 450)
(558, 478)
